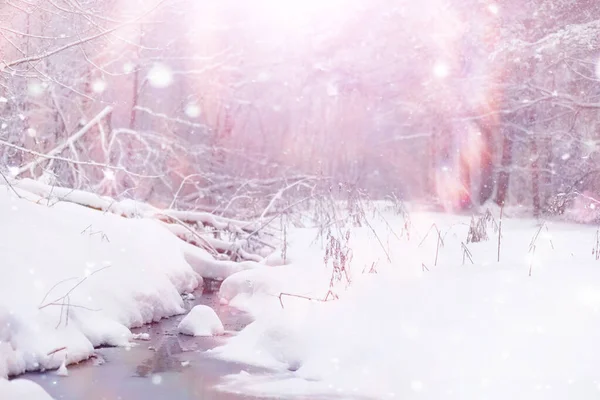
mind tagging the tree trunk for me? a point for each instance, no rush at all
(136, 83)
(433, 167)
(486, 185)
(535, 178)
(503, 180)
(465, 182)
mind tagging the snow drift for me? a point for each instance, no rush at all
(457, 330)
(74, 278)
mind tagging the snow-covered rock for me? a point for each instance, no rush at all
(201, 321)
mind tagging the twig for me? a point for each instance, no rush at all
(300, 297)
(55, 285)
(56, 350)
(466, 253)
(76, 43)
(532, 258)
(440, 241)
(56, 302)
(10, 186)
(500, 231)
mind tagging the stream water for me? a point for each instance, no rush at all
(167, 366)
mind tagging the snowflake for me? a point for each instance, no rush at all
(35, 89)
(160, 76)
(128, 67)
(109, 174)
(441, 70)
(99, 86)
(192, 110)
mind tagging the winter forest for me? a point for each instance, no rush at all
(216, 105)
(317, 199)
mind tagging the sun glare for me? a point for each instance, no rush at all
(293, 14)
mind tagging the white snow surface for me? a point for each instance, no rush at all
(22, 389)
(201, 321)
(485, 330)
(135, 269)
(202, 262)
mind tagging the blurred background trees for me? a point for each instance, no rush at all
(217, 105)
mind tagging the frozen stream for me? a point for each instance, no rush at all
(168, 366)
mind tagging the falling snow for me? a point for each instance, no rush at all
(192, 110)
(315, 168)
(109, 174)
(99, 86)
(441, 70)
(35, 89)
(160, 76)
(128, 67)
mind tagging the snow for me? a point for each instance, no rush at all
(141, 336)
(77, 277)
(414, 317)
(35, 89)
(74, 278)
(200, 259)
(451, 331)
(188, 297)
(22, 389)
(160, 76)
(62, 370)
(192, 110)
(201, 321)
(99, 86)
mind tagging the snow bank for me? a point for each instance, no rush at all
(453, 331)
(201, 321)
(73, 278)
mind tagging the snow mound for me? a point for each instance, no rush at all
(201, 321)
(22, 389)
(74, 278)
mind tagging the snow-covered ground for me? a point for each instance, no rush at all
(413, 329)
(73, 278)
(427, 315)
